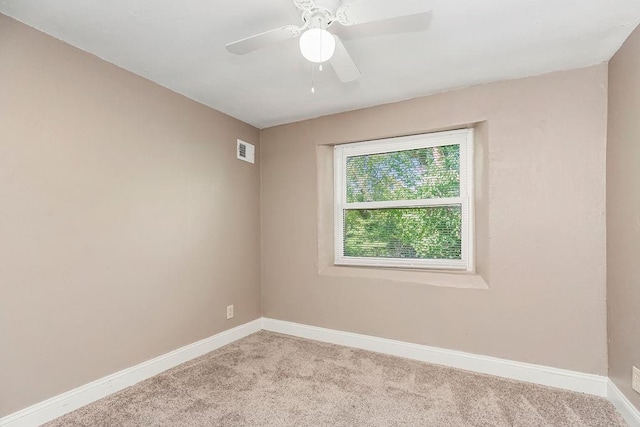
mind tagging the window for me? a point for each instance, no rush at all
(405, 202)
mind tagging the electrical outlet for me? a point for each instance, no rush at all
(229, 312)
(635, 379)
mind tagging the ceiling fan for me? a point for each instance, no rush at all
(316, 43)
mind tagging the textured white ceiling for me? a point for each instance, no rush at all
(181, 45)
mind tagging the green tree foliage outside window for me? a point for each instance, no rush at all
(429, 232)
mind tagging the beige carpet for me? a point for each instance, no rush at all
(269, 379)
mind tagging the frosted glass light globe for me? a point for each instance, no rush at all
(317, 45)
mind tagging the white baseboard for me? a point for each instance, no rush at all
(545, 375)
(66, 402)
(569, 380)
(629, 412)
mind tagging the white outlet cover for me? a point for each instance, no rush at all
(635, 379)
(229, 311)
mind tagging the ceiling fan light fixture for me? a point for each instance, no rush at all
(317, 45)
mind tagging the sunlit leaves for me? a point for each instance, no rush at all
(420, 233)
(404, 175)
(423, 233)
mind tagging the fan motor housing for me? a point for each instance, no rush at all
(318, 19)
(318, 13)
(311, 5)
(330, 5)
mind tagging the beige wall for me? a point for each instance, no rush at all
(623, 215)
(126, 224)
(545, 236)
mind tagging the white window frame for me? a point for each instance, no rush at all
(462, 137)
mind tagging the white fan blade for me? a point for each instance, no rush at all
(342, 63)
(362, 11)
(261, 40)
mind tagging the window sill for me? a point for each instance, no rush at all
(462, 280)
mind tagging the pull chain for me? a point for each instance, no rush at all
(313, 89)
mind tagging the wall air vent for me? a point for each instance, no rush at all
(246, 151)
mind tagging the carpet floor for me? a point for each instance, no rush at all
(268, 379)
